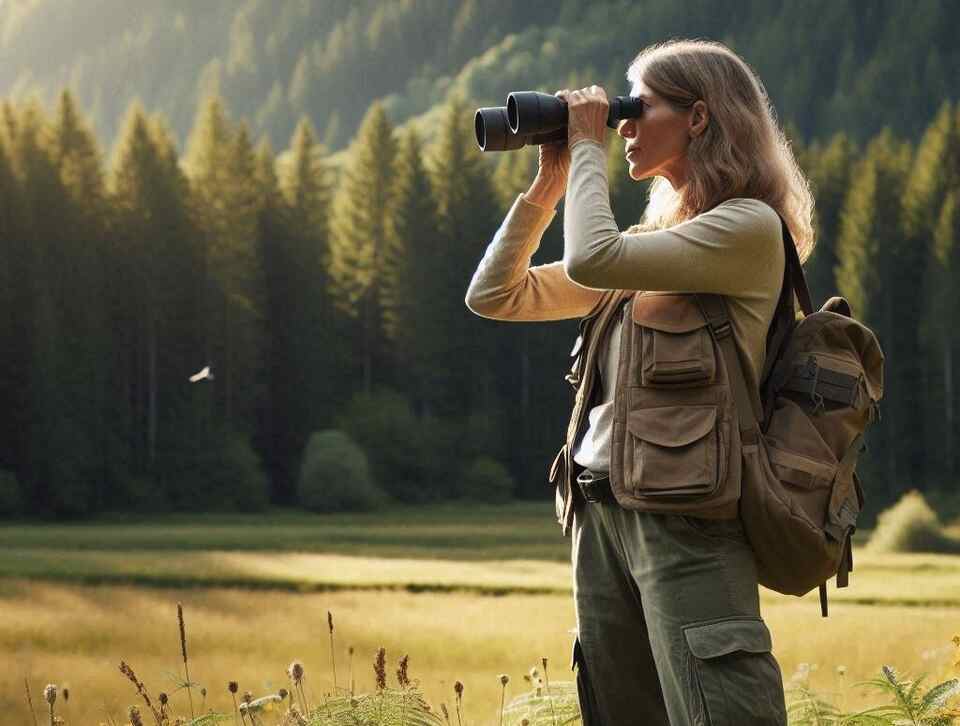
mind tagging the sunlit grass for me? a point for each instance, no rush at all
(76, 636)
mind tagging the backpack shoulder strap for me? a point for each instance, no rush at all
(714, 309)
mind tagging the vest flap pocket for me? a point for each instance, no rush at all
(671, 313)
(672, 425)
(676, 347)
(674, 450)
(712, 640)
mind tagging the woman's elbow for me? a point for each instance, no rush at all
(580, 270)
(485, 306)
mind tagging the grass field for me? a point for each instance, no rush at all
(468, 595)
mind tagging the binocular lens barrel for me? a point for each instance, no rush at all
(537, 118)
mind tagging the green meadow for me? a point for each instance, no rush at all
(467, 593)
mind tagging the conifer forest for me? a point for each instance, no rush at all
(289, 194)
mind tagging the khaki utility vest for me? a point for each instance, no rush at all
(690, 437)
(675, 443)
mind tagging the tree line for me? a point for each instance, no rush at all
(330, 296)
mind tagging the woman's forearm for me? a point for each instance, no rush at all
(505, 287)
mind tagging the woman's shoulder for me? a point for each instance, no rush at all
(753, 218)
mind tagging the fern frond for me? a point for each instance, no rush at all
(539, 710)
(937, 696)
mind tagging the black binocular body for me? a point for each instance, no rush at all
(532, 118)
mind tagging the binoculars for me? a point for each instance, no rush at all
(532, 118)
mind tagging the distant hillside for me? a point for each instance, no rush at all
(827, 65)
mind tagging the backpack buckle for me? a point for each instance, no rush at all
(723, 330)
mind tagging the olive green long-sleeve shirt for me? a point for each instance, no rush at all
(734, 249)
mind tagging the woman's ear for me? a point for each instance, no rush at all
(699, 119)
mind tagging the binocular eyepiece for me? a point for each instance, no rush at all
(532, 118)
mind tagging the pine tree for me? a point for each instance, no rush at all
(829, 171)
(468, 217)
(359, 232)
(155, 299)
(220, 164)
(308, 353)
(413, 264)
(868, 276)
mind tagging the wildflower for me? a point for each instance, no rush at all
(50, 693)
(295, 671)
(379, 667)
(265, 703)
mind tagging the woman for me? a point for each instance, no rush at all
(668, 618)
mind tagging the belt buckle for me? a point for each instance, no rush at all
(590, 485)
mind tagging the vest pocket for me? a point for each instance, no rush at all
(676, 450)
(676, 347)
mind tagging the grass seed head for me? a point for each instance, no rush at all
(282, 693)
(458, 688)
(247, 696)
(203, 691)
(183, 634)
(504, 679)
(50, 693)
(330, 620)
(402, 677)
(295, 671)
(380, 668)
(163, 698)
(134, 715)
(232, 686)
(66, 694)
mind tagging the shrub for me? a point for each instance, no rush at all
(11, 499)
(486, 480)
(911, 525)
(350, 488)
(385, 426)
(219, 472)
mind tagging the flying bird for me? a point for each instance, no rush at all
(205, 373)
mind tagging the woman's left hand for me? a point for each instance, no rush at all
(587, 111)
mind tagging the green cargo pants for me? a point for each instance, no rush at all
(668, 622)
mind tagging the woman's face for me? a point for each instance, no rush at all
(655, 144)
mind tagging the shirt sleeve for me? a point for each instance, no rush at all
(736, 248)
(505, 287)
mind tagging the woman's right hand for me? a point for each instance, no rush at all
(553, 167)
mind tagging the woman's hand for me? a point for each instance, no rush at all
(553, 167)
(587, 111)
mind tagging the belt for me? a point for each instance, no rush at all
(595, 486)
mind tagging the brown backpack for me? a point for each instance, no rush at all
(802, 433)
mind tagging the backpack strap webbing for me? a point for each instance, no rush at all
(749, 408)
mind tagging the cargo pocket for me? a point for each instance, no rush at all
(676, 346)
(589, 712)
(736, 678)
(677, 450)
